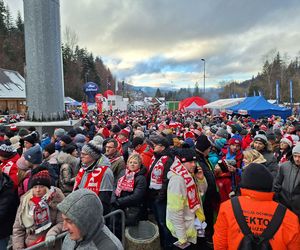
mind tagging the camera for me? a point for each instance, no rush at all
(223, 165)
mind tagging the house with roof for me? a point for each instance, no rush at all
(12, 92)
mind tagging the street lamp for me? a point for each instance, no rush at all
(203, 74)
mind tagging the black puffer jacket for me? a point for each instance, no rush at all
(271, 162)
(132, 201)
(287, 186)
(212, 198)
(9, 203)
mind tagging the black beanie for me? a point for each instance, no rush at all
(187, 154)
(69, 148)
(202, 143)
(257, 177)
(50, 148)
(66, 139)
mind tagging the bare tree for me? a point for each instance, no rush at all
(70, 38)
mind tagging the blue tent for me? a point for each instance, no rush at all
(257, 106)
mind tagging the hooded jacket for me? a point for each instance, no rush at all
(258, 209)
(85, 210)
(68, 170)
(287, 186)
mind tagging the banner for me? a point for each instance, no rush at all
(90, 89)
(291, 93)
(277, 92)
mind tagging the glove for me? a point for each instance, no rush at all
(50, 241)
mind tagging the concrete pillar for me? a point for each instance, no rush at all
(44, 74)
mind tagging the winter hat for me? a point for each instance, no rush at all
(115, 129)
(296, 149)
(125, 132)
(160, 140)
(40, 176)
(79, 138)
(187, 155)
(214, 129)
(202, 143)
(50, 148)
(220, 143)
(13, 127)
(34, 155)
(98, 140)
(137, 141)
(7, 151)
(23, 132)
(222, 133)
(257, 177)
(270, 135)
(189, 134)
(288, 140)
(59, 132)
(66, 139)
(233, 141)
(92, 149)
(15, 142)
(72, 133)
(31, 138)
(69, 148)
(190, 142)
(262, 138)
(21, 164)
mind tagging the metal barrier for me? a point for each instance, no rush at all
(61, 236)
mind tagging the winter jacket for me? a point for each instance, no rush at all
(9, 202)
(146, 153)
(180, 219)
(106, 185)
(271, 162)
(84, 209)
(134, 199)
(117, 165)
(21, 236)
(69, 165)
(287, 186)
(258, 209)
(211, 198)
(9, 167)
(52, 160)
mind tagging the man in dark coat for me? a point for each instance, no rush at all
(9, 203)
(212, 199)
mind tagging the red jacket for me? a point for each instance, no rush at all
(9, 166)
(258, 208)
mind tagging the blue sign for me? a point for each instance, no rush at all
(90, 89)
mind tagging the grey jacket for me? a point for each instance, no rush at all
(287, 186)
(85, 210)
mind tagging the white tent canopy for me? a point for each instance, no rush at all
(223, 103)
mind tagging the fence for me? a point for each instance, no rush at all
(109, 219)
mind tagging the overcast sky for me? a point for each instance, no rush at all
(162, 42)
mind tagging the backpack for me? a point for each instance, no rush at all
(250, 240)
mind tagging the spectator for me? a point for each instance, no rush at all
(95, 173)
(116, 159)
(287, 182)
(69, 166)
(83, 219)
(144, 150)
(37, 217)
(8, 165)
(257, 205)
(185, 215)
(8, 207)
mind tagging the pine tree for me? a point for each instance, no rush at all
(158, 93)
(3, 28)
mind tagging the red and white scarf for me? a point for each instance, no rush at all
(93, 181)
(157, 173)
(191, 188)
(126, 182)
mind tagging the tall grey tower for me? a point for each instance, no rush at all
(44, 74)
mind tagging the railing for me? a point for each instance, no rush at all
(59, 238)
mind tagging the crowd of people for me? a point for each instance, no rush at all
(183, 170)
